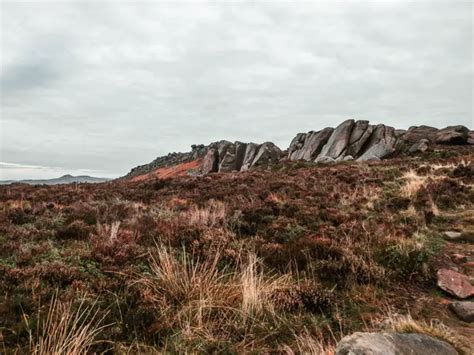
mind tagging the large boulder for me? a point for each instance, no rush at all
(307, 146)
(454, 283)
(268, 153)
(250, 152)
(464, 310)
(377, 152)
(393, 344)
(337, 142)
(210, 162)
(452, 135)
(417, 133)
(359, 136)
(227, 162)
(419, 147)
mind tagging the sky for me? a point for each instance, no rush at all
(98, 87)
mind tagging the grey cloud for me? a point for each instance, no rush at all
(110, 86)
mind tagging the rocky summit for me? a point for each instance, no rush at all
(351, 140)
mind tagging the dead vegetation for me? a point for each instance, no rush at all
(283, 260)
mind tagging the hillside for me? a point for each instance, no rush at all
(287, 257)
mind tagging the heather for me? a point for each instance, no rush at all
(288, 258)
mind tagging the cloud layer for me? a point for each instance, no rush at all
(105, 87)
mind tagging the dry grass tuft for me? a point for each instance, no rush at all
(406, 324)
(413, 183)
(65, 330)
(200, 300)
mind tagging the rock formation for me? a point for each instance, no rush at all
(351, 140)
(222, 156)
(362, 141)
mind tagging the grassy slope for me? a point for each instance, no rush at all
(289, 259)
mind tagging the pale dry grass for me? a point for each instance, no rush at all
(435, 328)
(214, 213)
(413, 183)
(65, 330)
(202, 301)
(306, 343)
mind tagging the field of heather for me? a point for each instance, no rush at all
(288, 259)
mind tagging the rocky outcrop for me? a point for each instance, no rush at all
(307, 146)
(240, 156)
(337, 142)
(393, 344)
(361, 141)
(419, 147)
(377, 151)
(350, 140)
(417, 133)
(452, 135)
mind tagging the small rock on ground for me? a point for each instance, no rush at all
(464, 310)
(455, 283)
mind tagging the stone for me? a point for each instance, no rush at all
(467, 236)
(377, 152)
(451, 235)
(454, 283)
(240, 149)
(296, 145)
(250, 152)
(307, 146)
(210, 162)
(464, 310)
(400, 132)
(393, 344)
(337, 142)
(227, 162)
(325, 160)
(452, 135)
(419, 147)
(470, 138)
(359, 136)
(267, 154)
(417, 133)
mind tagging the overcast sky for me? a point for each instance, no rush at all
(100, 87)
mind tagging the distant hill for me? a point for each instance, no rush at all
(66, 179)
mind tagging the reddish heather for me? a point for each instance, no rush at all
(172, 171)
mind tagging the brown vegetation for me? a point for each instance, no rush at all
(288, 259)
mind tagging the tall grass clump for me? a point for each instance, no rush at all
(200, 300)
(65, 329)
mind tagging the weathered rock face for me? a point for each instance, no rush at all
(417, 133)
(307, 146)
(377, 151)
(225, 156)
(362, 141)
(393, 344)
(337, 142)
(452, 135)
(351, 140)
(455, 283)
(421, 146)
(348, 141)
